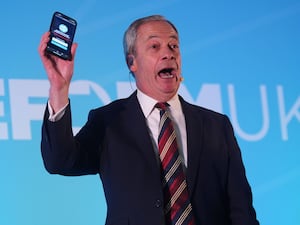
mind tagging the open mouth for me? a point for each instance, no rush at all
(167, 73)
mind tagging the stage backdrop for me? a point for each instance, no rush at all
(241, 58)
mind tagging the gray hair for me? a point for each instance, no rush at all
(130, 34)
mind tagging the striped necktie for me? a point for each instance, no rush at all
(177, 206)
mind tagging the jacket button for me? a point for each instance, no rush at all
(158, 203)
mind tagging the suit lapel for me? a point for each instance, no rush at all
(135, 123)
(194, 131)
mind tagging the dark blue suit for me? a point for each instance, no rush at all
(115, 143)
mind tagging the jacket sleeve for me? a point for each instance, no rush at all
(66, 154)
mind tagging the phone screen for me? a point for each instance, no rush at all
(62, 31)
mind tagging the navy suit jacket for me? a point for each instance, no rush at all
(115, 143)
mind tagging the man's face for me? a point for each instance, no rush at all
(157, 61)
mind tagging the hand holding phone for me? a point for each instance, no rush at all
(62, 32)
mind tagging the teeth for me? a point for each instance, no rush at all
(166, 73)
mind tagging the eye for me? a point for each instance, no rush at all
(154, 46)
(174, 46)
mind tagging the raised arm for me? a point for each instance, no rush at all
(59, 74)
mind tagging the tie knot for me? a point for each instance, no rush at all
(162, 105)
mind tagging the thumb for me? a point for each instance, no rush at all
(73, 50)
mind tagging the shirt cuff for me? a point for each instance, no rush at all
(53, 117)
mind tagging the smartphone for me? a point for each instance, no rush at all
(62, 32)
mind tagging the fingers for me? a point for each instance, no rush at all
(47, 60)
(59, 71)
(43, 44)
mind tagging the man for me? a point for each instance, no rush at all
(121, 141)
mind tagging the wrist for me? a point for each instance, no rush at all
(58, 98)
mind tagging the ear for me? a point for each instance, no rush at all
(130, 60)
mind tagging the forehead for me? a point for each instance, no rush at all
(156, 29)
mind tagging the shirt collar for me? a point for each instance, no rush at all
(147, 103)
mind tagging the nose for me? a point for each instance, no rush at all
(168, 53)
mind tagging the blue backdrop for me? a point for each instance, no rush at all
(240, 58)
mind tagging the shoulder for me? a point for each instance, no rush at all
(200, 110)
(205, 116)
(115, 108)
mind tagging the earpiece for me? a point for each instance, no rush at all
(130, 64)
(130, 59)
